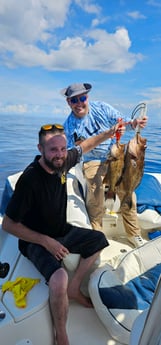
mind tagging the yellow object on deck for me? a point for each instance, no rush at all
(20, 287)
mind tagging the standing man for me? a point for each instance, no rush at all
(36, 214)
(89, 119)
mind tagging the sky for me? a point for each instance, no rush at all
(45, 45)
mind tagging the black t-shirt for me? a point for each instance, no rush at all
(40, 199)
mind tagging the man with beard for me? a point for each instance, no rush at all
(36, 214)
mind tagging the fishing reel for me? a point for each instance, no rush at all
(4, 269)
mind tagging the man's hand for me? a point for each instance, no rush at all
(140, 122)
(118, 130)
(56, 249)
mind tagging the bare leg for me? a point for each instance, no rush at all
(59, 304)
(75, 283)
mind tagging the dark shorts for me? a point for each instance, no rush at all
(81, 241)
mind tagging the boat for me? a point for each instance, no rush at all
(32, 324)
(146, 328)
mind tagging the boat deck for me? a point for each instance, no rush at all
(21, 327)
(83, 324)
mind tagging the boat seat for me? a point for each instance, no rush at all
(148, 195)
(146, 328)
(37, 297)
(119, 295)
(10, 256)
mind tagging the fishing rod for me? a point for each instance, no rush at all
(142, 109)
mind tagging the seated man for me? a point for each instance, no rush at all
(36, 214)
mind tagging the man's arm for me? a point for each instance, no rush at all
(21, 231)
(91, 143)
(24, 233)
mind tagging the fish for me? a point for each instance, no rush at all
(115, 165)
(133, 168)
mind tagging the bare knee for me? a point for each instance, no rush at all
(58, 282)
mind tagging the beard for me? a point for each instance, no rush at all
(53, 166)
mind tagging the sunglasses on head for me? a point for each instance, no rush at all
(52, 127)
(77, 99)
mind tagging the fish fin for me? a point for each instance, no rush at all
(119, 180)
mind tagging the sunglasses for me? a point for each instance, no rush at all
(52, 127)
(75, 99)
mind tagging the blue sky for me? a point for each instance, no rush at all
(45, 45)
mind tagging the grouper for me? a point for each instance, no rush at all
(133, 168)
(115, 165)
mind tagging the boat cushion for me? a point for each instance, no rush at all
(119, 295)
(148, 194)
(136, 294)
(8, 191)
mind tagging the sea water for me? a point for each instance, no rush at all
(19, 138)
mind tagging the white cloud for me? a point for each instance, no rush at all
(31, 20)
(153, 96)
(98, 21)
(100, 51)
(104, 52)
(28, 38)
(110, 52)
(14, 108)
(89, 6)
(136, 15)
(42, 33)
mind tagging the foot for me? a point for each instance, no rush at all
(137, 241)
(80, 298)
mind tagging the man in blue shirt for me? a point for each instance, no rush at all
(85, 120)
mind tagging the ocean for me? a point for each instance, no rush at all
(19, 137)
